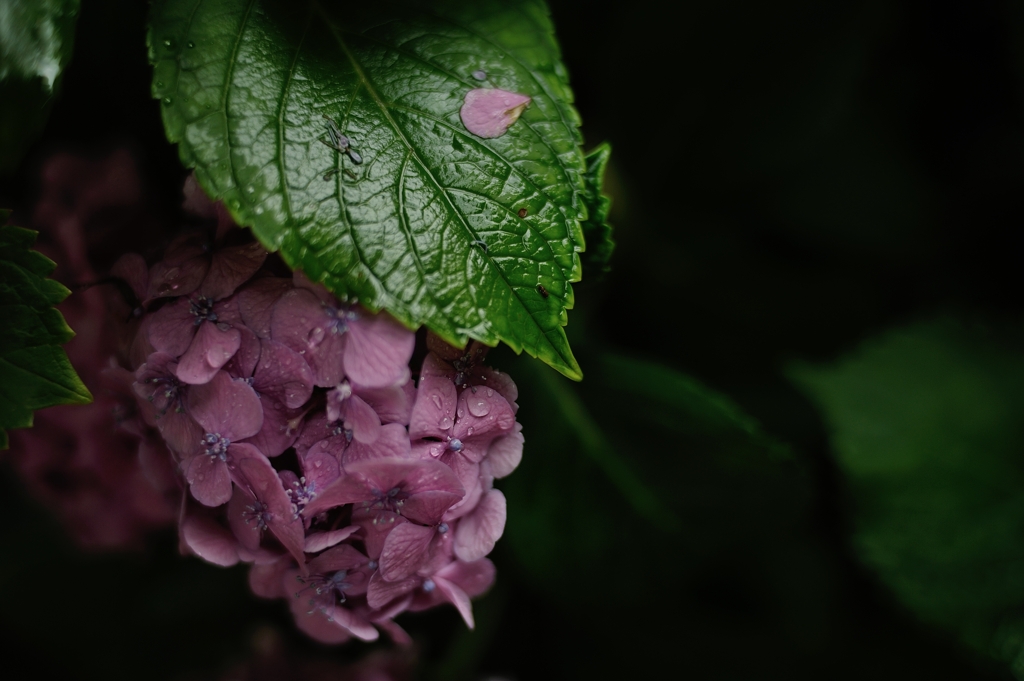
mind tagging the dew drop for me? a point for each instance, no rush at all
(167, 100)
(445, 423)
(478, 406)
(191, 44)
(436, 399)
(480, 74)
(168, 42)
(316, 336)
(469, 431)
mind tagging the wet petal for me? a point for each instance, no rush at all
(392, 404)
(477, 532)
(227, 407)
(361, 419)
(318, 541)
(300, 322)
(392, 443)
(378, 351)
(209, 480)
(230, 268)
(457, 597)
(211, 349)
(505, 453)
(433, 414)
(256, 302)
(320, 466)
(405, 551)
(283, 374)
(279, 430)
(208, 540)
(253, 471)
(172, 327)
(381, 592)
(246, 531)
(489, 112)
(430, 506)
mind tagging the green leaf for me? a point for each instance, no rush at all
(36, 37)
(596, 230)
(245, 85)
(927, 426)
(34, 371)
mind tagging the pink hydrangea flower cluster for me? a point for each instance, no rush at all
(308, 449)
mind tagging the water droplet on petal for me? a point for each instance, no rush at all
(445, 423)
(478, 406)
(436, 399)
(316, 336)
(469, 431)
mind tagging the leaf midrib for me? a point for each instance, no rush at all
(398, 131)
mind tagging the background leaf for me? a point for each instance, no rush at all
(596, 230)
(36, 372)
(36, 38)
(927, 425)
(472, 237)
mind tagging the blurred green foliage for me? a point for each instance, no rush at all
(36, 38)
(928, 426)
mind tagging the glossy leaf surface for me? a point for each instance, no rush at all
(476, 238)
(35, 370)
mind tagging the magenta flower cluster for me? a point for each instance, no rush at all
(308, 449)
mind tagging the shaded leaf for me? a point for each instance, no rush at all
(927, 425)
(410, 212)
(34, 369)
(596, 230)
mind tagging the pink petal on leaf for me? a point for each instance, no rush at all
(488, 113)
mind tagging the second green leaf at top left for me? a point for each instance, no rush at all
(475, 238)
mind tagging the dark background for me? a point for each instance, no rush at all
(788, 179)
